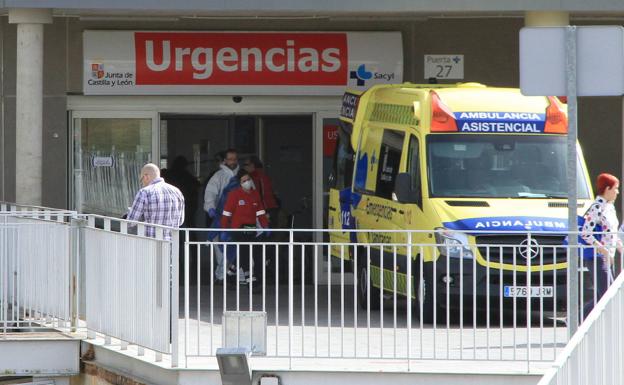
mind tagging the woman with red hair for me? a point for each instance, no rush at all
(599, 230)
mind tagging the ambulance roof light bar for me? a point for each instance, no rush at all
(442, 119)
(556, 119)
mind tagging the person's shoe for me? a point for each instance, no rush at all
(231, 270)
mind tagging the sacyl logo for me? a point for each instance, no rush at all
(361, 75)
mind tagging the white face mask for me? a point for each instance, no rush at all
(246, 185)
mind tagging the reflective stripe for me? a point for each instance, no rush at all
(261, 212)
(227, 213)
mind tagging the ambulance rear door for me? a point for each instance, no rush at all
(340, 199)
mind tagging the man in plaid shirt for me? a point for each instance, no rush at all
(157, 202)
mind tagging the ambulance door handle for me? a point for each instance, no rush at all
(332, 208)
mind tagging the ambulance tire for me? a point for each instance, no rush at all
(357, 255)
(363, 282)
(348, 263)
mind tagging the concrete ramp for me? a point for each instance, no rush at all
(39, 354)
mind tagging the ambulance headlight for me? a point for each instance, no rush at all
(452, 244)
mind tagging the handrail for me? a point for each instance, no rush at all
(562, 368)
(30, 208)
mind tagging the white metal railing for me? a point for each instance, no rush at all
(59, 269)
(595, 353)
(131, 283)
(469, 305)
(36, 269)
(40, 212)
(471, 309)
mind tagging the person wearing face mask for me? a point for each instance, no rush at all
(244, 210)
(599, 230)
(213, 193)
(264, 185)
(219, 180)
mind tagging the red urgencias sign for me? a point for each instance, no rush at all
(221, 58)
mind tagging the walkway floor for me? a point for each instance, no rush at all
(328, 331)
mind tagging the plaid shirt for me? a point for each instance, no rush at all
(159, 203)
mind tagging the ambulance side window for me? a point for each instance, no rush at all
(413, 168)
(389, 160)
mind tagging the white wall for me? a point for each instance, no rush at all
(490, 46)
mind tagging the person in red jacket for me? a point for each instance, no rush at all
(244, 210)
(264, 186)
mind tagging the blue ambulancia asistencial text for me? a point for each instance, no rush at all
(500, 122)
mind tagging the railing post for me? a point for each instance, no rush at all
(174, 279)
(4, 273)
(291, 293)
(529, 254)
(77, 244)
(409, 299)
(90, 223)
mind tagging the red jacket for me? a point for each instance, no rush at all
(243, 208)
(265, 187)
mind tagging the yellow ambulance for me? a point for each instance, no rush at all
(480, 171)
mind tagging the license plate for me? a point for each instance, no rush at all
(522, 291)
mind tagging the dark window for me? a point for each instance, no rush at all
(389, 160)
(342, 169)
(244, 134)
(413, 168)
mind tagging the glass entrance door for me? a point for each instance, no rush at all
(109, 151)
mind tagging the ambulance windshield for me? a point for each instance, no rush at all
(499, 166)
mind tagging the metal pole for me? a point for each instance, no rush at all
(175, 308)
(409, 299)
(291, 294)
(77, 166)
(573, 306)
(77, 252)
(619, 266)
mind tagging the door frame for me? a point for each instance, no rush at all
(152, 106)
(319, 195)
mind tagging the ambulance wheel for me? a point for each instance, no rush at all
(364, 281)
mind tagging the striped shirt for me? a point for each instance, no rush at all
(158, 203)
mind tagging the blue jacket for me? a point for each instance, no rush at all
(216, 222)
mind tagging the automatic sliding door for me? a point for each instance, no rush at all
(288, 160)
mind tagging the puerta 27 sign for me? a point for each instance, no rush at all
(238, 63)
